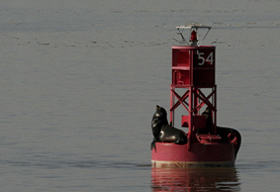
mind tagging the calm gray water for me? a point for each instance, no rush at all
(80, 80)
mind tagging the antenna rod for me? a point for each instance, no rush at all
(181, 33)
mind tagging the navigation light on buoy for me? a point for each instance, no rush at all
(193, 36)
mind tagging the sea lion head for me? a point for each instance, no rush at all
(160, 112)
(209, 122)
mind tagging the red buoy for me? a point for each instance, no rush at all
(193, 73)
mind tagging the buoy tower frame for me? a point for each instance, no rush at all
(193, 69)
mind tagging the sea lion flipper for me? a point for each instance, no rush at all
(153, 145)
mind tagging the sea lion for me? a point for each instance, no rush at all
(172, 134)
(159, 119)
(228, 134)
(163, 132)
(209, 122)
(225, 133)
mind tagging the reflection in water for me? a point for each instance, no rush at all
(195, 179)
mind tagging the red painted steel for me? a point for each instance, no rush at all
(212, 152)
(193, 72)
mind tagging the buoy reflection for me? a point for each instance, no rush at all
(195, 179)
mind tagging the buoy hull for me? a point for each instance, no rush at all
(210, 154)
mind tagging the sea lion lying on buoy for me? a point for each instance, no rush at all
(163, 132)
(230, 135)
(227, 134)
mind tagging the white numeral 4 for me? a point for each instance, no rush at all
(210, 58)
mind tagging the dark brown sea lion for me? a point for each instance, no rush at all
(209, 122)
(227, 134)
(163, 132)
